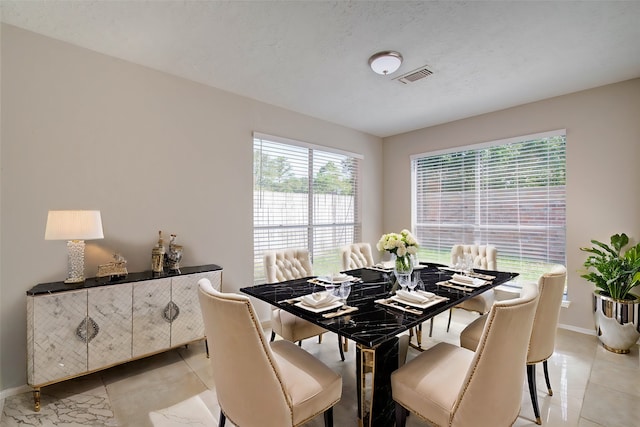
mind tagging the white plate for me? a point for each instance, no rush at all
(432, 301)
(378, 268)
(341, 279)
(331, 306)
(476, 283)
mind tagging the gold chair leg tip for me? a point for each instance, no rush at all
(538, 421)
(550, 392)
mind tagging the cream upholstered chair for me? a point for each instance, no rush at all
(448, 385)
(289, 264)
(543, 335)
(484, 257)
(282, 383)
(356, 255)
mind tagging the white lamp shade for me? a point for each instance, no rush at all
(73, 225)
(385, 62)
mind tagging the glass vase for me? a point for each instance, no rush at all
(402, 264)
(403, 268)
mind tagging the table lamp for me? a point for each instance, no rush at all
(75, 227)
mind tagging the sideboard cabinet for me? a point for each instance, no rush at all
(73, 330)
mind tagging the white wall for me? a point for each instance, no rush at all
(603, 170)
(81, 130)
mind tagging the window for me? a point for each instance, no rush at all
(304, 197)
(510, 194)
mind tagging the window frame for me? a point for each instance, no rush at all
(328, 258)
(476, 148)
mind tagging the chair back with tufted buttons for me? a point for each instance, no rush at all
(484, 256)
(356, 255)
(287, 264)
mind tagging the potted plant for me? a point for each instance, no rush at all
(615, 272)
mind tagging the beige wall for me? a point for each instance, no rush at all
(603, 171)
(153, 152)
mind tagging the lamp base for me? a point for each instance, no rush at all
(75, 261)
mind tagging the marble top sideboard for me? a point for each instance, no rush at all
(77, 329)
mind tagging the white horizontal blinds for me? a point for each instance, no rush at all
(510, 195)
(335, 220)
(304, 197)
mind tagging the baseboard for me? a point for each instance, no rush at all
(14, 391)
(576, 329)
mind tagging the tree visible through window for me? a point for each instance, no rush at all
(304, 197)
(510, 194)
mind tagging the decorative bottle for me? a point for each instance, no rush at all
(157, 255)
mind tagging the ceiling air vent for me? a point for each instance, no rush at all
(415, 75)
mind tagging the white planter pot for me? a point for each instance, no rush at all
(617, 322)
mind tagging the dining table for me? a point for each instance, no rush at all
(374, 315)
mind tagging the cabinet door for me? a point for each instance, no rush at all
(109, 325)
(58, 351)
(152, 312)
(188, 325)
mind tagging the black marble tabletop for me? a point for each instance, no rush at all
(53, 287)
(373, 323)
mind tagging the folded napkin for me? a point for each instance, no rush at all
(412, 296)
(462, 279)
(318, 299)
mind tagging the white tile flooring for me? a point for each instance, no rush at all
(592, 387)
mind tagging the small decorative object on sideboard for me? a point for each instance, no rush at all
(157, 255)
(173, 256)
(115, 270)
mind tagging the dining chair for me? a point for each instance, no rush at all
(484, 257)
(448, 385)
(356, 255)
(543, 335)
(289, 264)
(259, 383)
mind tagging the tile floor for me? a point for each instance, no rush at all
(592, 387)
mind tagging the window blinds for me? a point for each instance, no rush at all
(304, 197)
(507, 194)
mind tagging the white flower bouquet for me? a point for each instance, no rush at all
(403, 245)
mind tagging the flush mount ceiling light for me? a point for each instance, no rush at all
(385, 62)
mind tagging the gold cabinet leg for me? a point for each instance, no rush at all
(36, 399)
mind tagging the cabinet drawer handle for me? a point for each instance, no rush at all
(171, 312)
(87, 330)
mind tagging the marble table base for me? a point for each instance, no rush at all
(374, 366)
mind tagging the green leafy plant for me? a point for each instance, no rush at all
(614, 271)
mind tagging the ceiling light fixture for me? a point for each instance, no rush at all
(386, 62)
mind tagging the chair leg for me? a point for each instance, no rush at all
(449, 322)
(531, 377)
(340, 347)
(328, 417)
(401, 415)
(273, 335)
(546, 377)
(320, 339)
(223, 419)
(431, 327)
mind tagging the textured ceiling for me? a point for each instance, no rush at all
(311, 56)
